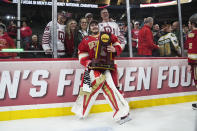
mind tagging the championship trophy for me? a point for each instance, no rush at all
(103, 59)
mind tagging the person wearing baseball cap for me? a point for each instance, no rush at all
(62, 16)
(47, 41)
(89, 17)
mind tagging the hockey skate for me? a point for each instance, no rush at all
(194, 106)
(124, 119)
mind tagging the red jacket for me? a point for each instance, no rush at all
(191, 45)
(145, 41)
(87, 51)
(12, 31)
(26, 32)
(6, 42)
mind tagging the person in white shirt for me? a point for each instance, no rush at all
(109, 25)
(46, 39)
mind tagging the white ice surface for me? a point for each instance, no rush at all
(176, 117)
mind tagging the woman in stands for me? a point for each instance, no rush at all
(71, 39)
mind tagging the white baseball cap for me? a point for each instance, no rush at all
(88, 14)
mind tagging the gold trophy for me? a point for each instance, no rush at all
(103, 59)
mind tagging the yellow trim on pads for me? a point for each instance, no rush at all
(97, 50)
(64, 111)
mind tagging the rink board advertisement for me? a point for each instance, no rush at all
(43, 88)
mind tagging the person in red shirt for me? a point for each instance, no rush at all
(191, 45)
(95, 80)
(26, 33)
(6, 43)
(12, 30)
(134, 34)
(145, 39)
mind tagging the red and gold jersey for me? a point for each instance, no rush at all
(87, 48)
(191, 45)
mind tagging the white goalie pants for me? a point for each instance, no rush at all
(101, 83)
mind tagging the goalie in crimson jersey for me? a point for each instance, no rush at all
(191, 45)
(97, 81)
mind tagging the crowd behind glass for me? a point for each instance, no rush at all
(76, 30)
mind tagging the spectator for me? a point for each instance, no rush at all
(126, 29)
(89, 17)
(186, 31)
(146, 43)
(83, 25)
(156, 33)
(168, 43)
(12, 30)
(47, 41)
(134, 34)
(1, 22)
(71, 39)
(26, 33)
(110, 26)
(123, 29)
(5, 43)
(35, 46)
(176, 31)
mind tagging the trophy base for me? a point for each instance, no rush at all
(99, 66)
